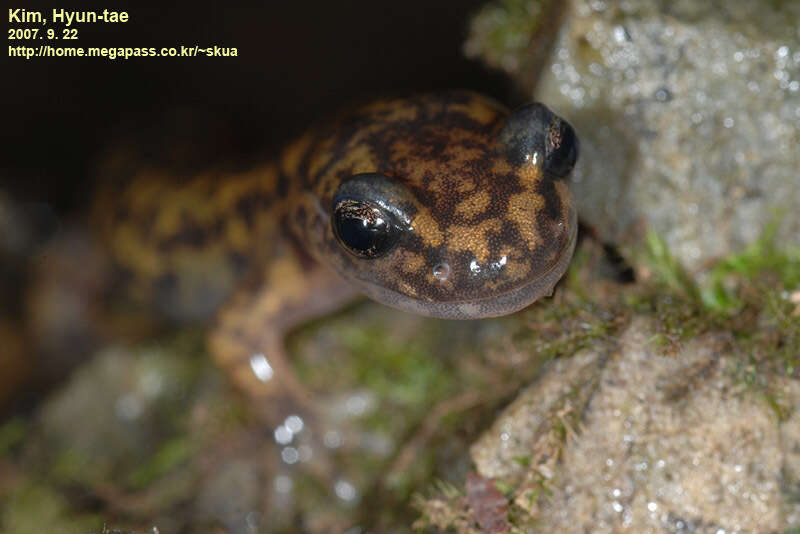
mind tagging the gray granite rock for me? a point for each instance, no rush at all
(112, 415)
(628, 439)
(688, 113)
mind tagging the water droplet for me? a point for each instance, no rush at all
(663, 95)
(332, 439)
(261, 367)
(151, 384)
(252, 520)
(129, 407)
(344, 490)
(290, 455)
(283, 484)
(621, 34)
(283, 435)
(294, 423)
(356, 404)
(304, 453)
(441, 271)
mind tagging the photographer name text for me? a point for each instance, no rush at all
(65, 17)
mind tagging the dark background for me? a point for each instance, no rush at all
(297, 62)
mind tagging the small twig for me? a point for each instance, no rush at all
(432, 423)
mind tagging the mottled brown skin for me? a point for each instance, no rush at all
(463, 185)
(504, 229)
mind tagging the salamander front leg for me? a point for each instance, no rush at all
(247, 341)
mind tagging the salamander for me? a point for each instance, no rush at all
(446, 205)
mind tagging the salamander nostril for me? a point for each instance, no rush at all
(561, 149)
(441, 271)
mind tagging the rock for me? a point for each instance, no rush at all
(110, 420)
(649, 442)
(688, 113)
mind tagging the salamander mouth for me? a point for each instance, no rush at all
(495, 305)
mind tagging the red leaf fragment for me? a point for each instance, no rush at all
(488, 504)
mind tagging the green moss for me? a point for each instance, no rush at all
(763, 257)
(33, 509)
(667, 270)
(404, 373)
(501, 31)
(169, 456)
(12, 433)
(725, 281)
(744, 294)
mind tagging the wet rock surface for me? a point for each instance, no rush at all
(662, 443)
(688, 113)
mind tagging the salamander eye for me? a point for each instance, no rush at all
(363, 228)
(534, 134)
(561, 148)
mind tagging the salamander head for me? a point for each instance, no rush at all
(449, 206)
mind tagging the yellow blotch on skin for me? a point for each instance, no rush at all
(479, 109)
(262, 180)
(407, 288)
(473, 238)
(517, 270)
(501, 166)
(417, 165)
(398, 112)
(474, 205)
(287, 274)
(293, 154)
(522, 210)
(411, 262)
(530, 175)
(321, 156)
(438, 185)
(238, 234)
(427, 228)
(459, 155)
(514, 269)
(132, 250)
(360, 158)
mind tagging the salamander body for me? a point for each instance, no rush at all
(445, 205)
